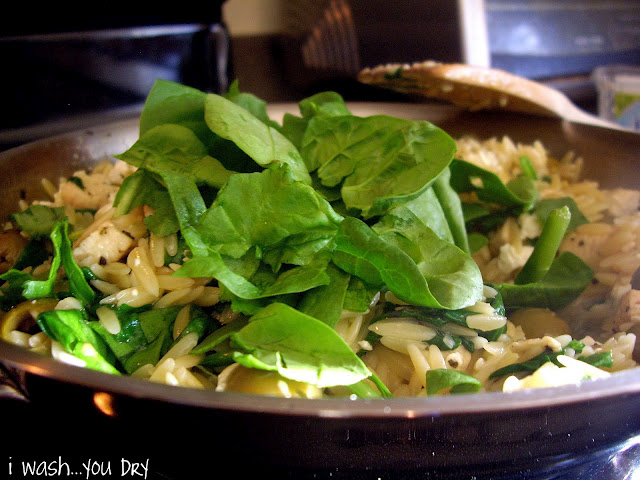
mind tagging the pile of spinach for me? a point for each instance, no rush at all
(304, 219)
(295, 222)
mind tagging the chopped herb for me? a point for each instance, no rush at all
(77, 181)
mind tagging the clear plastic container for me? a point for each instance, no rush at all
(619, 94)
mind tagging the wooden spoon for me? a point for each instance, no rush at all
(478, 88)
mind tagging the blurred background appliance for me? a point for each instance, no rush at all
(64, 72)
(562, 42)
(322, 44)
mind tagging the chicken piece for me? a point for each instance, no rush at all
(627, 317)
(623, 201)
(118, 171)
(104, 245)
(86, 191)
(512, 258)
(11, 246)
(93, 190)
(585, 246)
(540, 322)
(535, 346)
(628, 312)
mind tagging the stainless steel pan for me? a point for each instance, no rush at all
(531, 434)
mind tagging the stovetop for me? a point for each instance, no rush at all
(48, 443)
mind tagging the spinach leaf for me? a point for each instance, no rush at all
(200, 323)
(576, 345)
(377, 160)
(263, 143)
(38, 220)
(146, 334)
(566, 278)
(78, 283)
(33, 254)
(250, 307)
(326, 302)
(323, 104)
(189, 207)
(135, 190)
(497, 201)
(217, 359)
(11, 291)
(175, 150)
(379, 262)
(293, 280)
(361, 252)
(178, 203)
(440, 379)
(476, 242)
(446, 342)
(438, 318)
(172, 103)
(544, 208)
(220, 336)
(468, 177)
(529, 366)
(320, 104)
(72, 331)
(536, 362)
(150, 354)
(375, 389)
(473, 211)
(489, 222)
(359, 296)
(284, 218)
(253, 104)
(293, 128)
(452, 208)
(298, 347)
(424, 210)
(35, 288)
(600, 360)
(142, 188)
(452, 276)
(62, 256)
(603, 359)
(129, 339)
(153, 336)
(156, 322)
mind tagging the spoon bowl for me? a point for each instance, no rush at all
(478, 88)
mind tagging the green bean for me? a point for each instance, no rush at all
(546, 247)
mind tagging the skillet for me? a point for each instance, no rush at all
(538, 433)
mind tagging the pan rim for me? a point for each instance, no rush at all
(618, 384)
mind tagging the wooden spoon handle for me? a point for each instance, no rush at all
(477, 88)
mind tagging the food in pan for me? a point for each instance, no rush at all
(325, 255)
